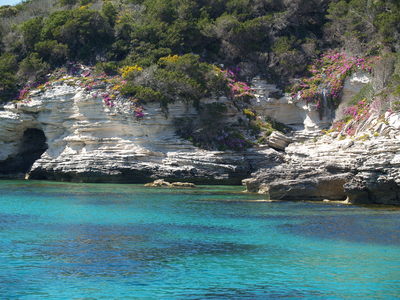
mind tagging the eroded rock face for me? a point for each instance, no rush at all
(31, 147)
(352, 87)
(365, 169)
(278, 140)
(373, 188)
(305, 118)
(68, 134)
(271, 102)
(88, 141)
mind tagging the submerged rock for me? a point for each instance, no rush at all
(163, 183)
(158, 183)
(183, 184)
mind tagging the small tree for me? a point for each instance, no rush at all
(52, 52)
(8, 86)
(32, 68)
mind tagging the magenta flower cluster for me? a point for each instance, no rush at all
(329, 72)
(139, 114)
(353, 115)
(359, 111)
(23, 93)
(108, 100)
(238, 89)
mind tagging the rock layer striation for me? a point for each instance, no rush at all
(361, 169)
(67, 133)
(86, 140)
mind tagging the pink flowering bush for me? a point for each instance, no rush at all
(238, 89)
(359, 111)
(23, 93)
(139, 112)
(353, 115)
(330, 72)
(108, 100)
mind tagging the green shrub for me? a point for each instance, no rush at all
(67, 2)
(145, 54)
(396, 106)
(31, 30)
(8, 11)
(8, 80)
(178, 86)
(85, 2)
(213, 111)
(142, 93)
(366, 92)
(84, 31)
(191, 78)
(109, 68)
(52, 52)
(32, 68)
(369, 24)
(109, 12)
(283, 45)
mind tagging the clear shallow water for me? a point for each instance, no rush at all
(87, 241)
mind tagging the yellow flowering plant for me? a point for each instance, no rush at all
(128, 70)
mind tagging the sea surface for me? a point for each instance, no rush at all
(109, 241)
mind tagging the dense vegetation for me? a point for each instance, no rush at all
(169, 50)
(275, 38)
(272, 37)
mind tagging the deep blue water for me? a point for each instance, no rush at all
(92, 241)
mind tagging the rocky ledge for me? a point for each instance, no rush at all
(361, 169)
(69, 134)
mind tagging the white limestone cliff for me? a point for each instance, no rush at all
(303, 117)
(68, 133)
(89, 141)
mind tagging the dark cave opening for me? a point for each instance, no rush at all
(33, 145)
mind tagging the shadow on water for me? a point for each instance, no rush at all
(356, 228)
(88, 250)
(255, 292)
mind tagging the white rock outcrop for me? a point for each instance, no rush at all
(89, 141)
(364, 168)
(303, 117)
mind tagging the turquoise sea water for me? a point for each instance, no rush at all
(88, 241)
